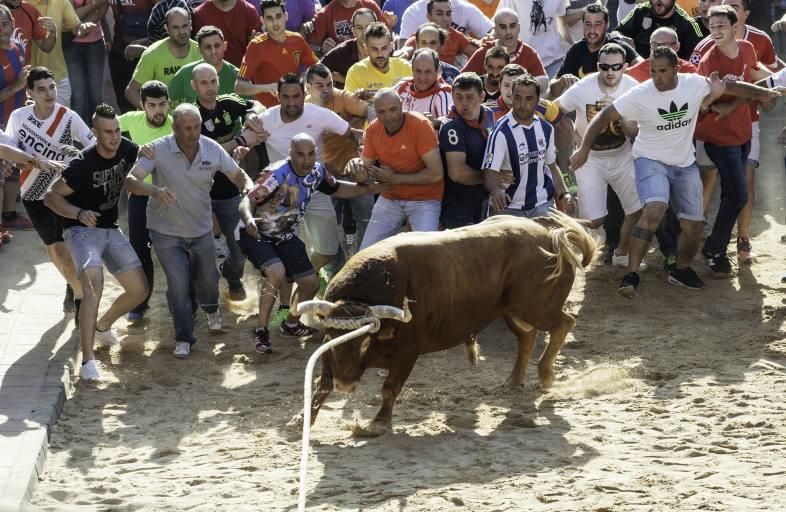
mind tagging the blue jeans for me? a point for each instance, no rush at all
(85, 62)
(388, 216)
(730, 161)
(228, 216)
(187, 262)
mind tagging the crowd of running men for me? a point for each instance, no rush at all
(290, 135)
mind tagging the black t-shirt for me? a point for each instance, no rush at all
(580, 61)
(491, 97)
(221, 125)
(640, 23)
(97, 182)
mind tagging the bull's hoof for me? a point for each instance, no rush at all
(546, 379)
(296, 423)
(373, 429)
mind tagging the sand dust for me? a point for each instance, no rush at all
(671, 401)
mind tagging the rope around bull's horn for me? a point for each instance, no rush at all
(371, 325)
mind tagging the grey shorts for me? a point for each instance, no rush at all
(96, 247)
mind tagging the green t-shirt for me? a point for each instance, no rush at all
(180, 90)
(158, 63)
(134, 126)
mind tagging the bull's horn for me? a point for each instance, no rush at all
(391, 312)
(322, 308)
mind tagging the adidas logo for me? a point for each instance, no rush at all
(674, 117)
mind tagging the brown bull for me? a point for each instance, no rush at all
(455, 283)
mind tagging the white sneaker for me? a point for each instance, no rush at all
(107, 338)
(214, 322)
(222, 251)
(622, 261)
(89, 371)
(182, 349)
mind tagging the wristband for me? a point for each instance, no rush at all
(240, 140)
(79, 214)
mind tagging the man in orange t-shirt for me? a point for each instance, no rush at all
(272, 55)
(400, 149)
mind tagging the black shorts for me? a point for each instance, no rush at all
(48, 224)
(266, 251)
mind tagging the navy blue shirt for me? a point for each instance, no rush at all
(456, 135)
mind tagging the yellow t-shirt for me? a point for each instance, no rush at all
(690, 6)
(363, 75)
(64, 16)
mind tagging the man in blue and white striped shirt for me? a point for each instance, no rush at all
(523, 144)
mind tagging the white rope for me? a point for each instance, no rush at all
(371, 325)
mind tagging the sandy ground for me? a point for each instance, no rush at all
(671, 401)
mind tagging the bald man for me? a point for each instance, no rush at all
(270, 215)
(400, 149)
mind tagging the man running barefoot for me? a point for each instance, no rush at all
(86, 197)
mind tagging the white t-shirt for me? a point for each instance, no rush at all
(586, 99)
(466, 18)
(538, 25)
(46, 138)
(777, 79)
(314, 121)
(666, 119)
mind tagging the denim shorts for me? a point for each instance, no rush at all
(96, 247)
(680, 186)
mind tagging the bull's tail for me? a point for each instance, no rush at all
(572, 244)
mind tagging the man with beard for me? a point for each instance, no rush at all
(86, 198)
(582, 57)
(667, 110)
(462, 142)
(180, 220)
(271, 213)
(495, 61)
(164, 58)
(142, 127)
(610, 162)
(425, 92)
(645, 18)
(379, 69)
(506, 33)
(342, 57)
(272, 55)
(400, 149)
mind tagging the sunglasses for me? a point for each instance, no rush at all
(613, 67)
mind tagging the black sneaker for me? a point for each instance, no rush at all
(296, 330)
(719, 264)
(68, 301)
(262, 340)
(628, 285)
(686, 277)
(670, 262)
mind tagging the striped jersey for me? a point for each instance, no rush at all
(526, 151)
(13, 61)
(437, 101)
(47, 138)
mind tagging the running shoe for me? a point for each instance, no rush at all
(718, 263)
(686, 277)
(745, 253)
(68, 301)
(107, 338)
(214, 322)
(262, 340)
(19, 223)
(628, 285)
(296, 330)
(182, 349)
(89, 371)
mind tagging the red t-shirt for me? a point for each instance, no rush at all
(267, 60)
(734, 129)
(525, 56)
(237, 24)
(402, 152)
(641, 71)
(335, 21)
(455, 43)
(27, 28)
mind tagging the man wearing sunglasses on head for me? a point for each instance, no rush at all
(610, 160)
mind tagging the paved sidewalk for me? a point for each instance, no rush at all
(38, 351)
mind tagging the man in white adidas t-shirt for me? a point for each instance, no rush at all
(610, 161)
(666, 109)
(53, 132)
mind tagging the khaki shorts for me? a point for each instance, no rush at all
(320, 225)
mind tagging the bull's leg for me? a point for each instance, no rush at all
(526, 335)
(556, 339)
(324, 386)
(383, 421)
